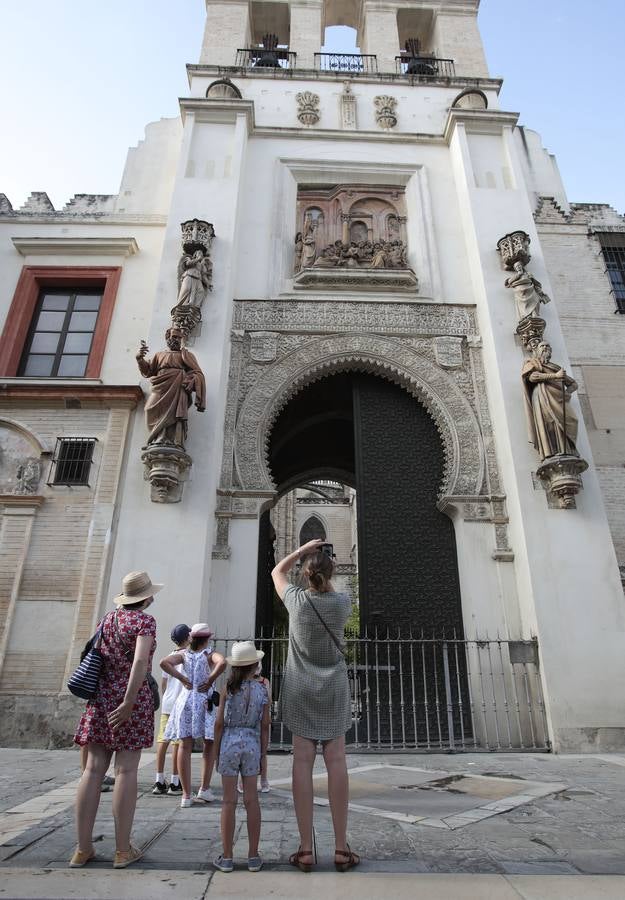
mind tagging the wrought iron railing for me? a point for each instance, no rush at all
(429, 694)
(354, 63)
(424, 66)
(263, 58)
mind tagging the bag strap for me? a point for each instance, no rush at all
(130, 654)
(331, 633)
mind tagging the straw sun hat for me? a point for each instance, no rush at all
(244, 653)
(136, 586)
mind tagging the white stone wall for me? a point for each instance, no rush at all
(595, 338)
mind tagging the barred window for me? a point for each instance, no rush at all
(614, 256)
(71, 463)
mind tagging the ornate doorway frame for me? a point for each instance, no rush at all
(433, 351)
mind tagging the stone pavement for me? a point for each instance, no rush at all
(471, 825)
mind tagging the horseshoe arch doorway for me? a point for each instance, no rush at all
(360, 430)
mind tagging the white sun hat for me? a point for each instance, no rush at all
(244, 653)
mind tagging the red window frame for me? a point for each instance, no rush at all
(29, 286)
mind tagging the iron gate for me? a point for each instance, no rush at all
(429, 694)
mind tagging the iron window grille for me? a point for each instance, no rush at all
(614, 258)
(61, 334)
(71, 462)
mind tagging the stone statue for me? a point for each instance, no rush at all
(194, 279)
(299, 247)
(309, 249)
(528, 292)
(378, 260)
(552, 425)
(175, 375)
(327, 259)
(28, 475)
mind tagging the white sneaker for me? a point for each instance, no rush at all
(186, 802)
(207, 796)
(265, 787)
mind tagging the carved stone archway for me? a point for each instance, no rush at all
(392, 359)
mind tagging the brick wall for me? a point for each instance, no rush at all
(50, 605)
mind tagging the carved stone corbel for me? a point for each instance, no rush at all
(166, 468)
(561, 478)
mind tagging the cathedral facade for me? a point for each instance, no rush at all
(335, 280)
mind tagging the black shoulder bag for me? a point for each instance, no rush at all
(85, 678)
(335, 641)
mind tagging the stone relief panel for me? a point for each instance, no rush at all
(347, 232)
(419, 348)
(20, 462)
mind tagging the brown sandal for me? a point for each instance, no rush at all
(295, 859)
(351, 859)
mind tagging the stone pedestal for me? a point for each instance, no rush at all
(166, 468)
(561, 477)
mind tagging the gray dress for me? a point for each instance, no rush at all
(314, 697)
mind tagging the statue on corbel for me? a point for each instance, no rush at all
(195, 271)
(547, 389)
(528, 293)
(175, 377)
(552, 425)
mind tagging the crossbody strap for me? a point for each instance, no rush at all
(336, 643)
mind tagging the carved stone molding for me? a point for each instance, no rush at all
(263, 346)
(312, 340)
(166, 468)
(484, 509)
(392, 359)
(448, 352)
(385, 317)
(385, 114)
(347, 108)
(307, 107)
(334, 279)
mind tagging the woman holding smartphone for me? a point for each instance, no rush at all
(315, 699)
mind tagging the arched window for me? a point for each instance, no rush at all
(311, 529)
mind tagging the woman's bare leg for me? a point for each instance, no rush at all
(303, 761)
(89, 791)
(174, 759)
(228, 813)
(208, 761)
(252, 808)
(125, 795)
(338, 788)
(184, 765)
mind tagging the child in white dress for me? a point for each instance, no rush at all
(193, 715)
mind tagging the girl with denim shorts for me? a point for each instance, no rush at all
(241, 738)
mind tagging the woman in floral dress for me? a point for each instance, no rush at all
(120, 719)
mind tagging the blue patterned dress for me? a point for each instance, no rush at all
(240, 744)
(190, 716)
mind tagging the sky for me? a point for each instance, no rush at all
(79, 79)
